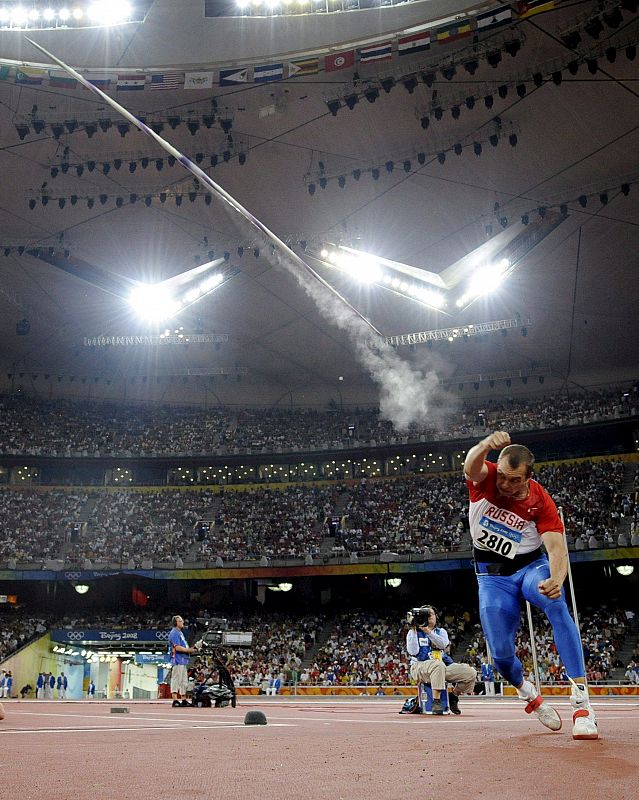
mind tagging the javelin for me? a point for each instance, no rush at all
(206, 179)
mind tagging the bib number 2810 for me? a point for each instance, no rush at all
(498, 544)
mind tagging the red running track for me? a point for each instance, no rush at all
(351, 749)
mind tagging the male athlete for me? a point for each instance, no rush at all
(509, 515)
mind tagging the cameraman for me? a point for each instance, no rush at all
(426, 644)
(180, 653)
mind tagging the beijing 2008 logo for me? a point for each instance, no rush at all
(75, 636)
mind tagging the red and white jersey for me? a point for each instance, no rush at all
(505, 526)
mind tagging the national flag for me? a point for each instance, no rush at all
(501, 15)
(167, 80)
(337, 61)
(4, 72)
(306, 66)
(413, 44)
(268, 72)
(231, 77)
(101, 81)
(376, 52)
(532, 7)
(198, 80)
(453, 31)
(29, 77)
(131, 83)
(60, 81)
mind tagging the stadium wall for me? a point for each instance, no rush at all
(36, 657)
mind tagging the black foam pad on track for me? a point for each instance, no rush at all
(255, 718)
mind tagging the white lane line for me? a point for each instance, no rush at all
(424, 718)
(108, 719)
(58, 731)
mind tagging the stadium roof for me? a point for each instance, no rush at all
(564, 150)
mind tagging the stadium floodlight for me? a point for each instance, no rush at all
(64, 14)
(48, 14)
(625, 569)
(365, 270)
(78, 13)
(285, 587)
(110, 12)
(431, 298)
(153, 302)
(486, 280)
(81, 588)
(19, 16)
(394, 582)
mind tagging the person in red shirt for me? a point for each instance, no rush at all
(510, 514)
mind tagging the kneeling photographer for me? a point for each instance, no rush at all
(426, 644)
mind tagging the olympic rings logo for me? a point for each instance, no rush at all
(72, 576)
(75, 636)
(162, 635)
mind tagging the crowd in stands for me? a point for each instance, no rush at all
(133, 527)
(411, 516)
(405, 516)
(280, 643)
(590, 495)
(29, 425)
(268, 523)
(18, 630)
(357, 648)
(365, 649)
(33, 524)
(630, 507)
(602, 633)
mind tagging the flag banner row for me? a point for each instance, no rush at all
(302, 66)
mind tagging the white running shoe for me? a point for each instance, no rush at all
(546, 714)
(584, 719)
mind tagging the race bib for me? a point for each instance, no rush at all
(498, 538)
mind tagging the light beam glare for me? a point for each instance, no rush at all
(292, 259)
(407, 395)
(153, 302)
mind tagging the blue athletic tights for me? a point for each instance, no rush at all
(500, 599)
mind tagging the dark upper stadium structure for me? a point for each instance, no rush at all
(512, 139)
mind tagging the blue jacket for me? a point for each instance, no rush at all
(176, 637)
(421, 647)
(487, 672)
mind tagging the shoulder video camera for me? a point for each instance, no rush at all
(418, 617)
(216, 633)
